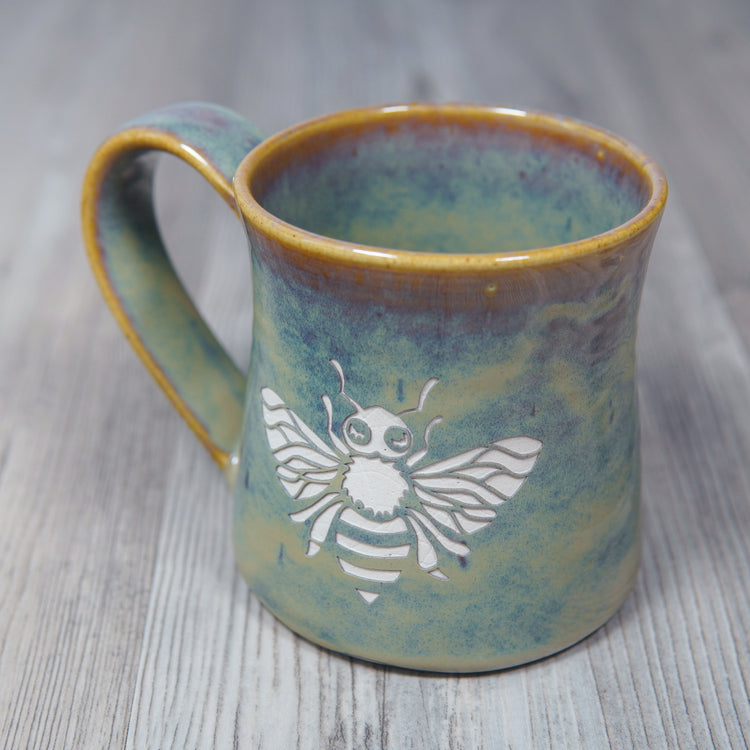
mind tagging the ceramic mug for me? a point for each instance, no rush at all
(434, 455)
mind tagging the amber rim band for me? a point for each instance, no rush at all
(570, 131)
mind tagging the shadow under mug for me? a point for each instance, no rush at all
(434, 455)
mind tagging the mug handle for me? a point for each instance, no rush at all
(135, 274)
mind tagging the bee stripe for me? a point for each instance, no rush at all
(393, 526)
(370, 550)
(368, 574)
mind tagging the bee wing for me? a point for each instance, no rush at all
(306, 465)
(461, 493)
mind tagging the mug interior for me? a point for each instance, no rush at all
(450, 181)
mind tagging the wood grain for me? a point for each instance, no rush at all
(123, 622)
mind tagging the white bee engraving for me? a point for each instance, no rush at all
(363, 494)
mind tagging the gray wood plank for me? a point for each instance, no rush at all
(79, 509)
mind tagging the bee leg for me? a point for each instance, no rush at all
(426, 554)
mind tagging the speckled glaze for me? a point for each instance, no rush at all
(435, 462)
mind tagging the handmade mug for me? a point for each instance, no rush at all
(435, 453)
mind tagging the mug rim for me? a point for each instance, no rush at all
(343, 252)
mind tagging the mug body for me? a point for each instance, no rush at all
(439, 463)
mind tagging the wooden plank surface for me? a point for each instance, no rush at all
(123, 622)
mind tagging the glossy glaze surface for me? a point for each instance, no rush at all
(448, 183)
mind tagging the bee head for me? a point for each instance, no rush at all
(375, 431)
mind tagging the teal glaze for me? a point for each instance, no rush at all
(559, 367)
(449, 189)
(531, 344)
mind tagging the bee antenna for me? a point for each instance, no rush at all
(426, 388)
(340, 371)
(419, 455)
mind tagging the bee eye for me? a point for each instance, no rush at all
(358, 431)
(398, 439)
